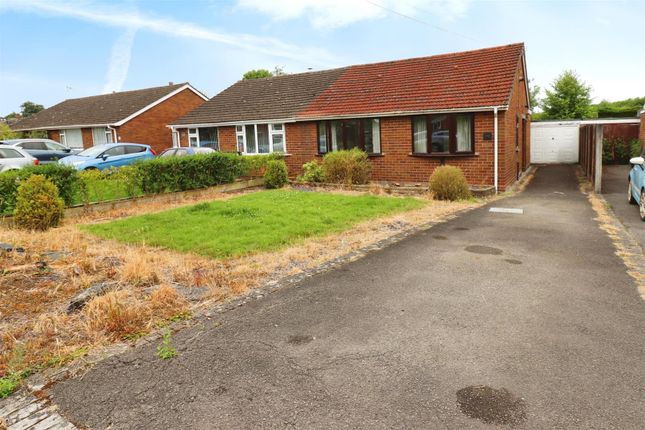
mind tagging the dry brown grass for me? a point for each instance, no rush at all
(33, 301)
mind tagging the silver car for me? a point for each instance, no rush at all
(183, 151)
(13, 158)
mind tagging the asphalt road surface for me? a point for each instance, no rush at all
(488, 320)
(614, 190)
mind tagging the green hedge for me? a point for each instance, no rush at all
(65, 178)
(159, 175)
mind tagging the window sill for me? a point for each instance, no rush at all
(368, 155)
(470, 154)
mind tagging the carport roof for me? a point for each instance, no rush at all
(464, 80)
(104, 109)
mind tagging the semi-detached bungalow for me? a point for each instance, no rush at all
(139, 116)
(469, 109)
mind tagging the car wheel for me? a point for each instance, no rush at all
(641, 206)
(630, 195)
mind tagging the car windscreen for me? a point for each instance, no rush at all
(95, 151)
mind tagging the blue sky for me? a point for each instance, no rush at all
(51, 50)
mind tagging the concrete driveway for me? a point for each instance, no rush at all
(614, 189)
(490, 319)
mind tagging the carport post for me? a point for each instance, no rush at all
(597, 182)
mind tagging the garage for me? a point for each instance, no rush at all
(554, 142)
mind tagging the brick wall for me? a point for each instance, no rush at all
(53, 135)
(150, 127)
(88, 139)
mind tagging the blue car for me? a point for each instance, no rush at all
(637, 183)
(110, 155)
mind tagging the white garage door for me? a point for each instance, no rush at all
(554, 142)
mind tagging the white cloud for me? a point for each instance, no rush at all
(120, 61)
(338, 13)
(113, 16)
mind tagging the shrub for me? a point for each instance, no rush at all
(312, 172)
(254, 165)
(9, 182)
(38, 205)
(348, 167)
(188, 173)
(635, 148)
(276, 175)
(449, 183)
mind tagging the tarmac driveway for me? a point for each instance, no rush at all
(614, 189)
(490, 319)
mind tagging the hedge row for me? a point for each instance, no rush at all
(151, 176)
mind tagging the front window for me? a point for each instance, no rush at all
(443, 134)
(260, 138)
(203, 137)
(364, 134)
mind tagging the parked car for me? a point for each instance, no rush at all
(636, 189)
(183, 151)
(12, 158)
(45, 150)
(109, 155)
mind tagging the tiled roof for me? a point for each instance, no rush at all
(280, 97)
(94, 110)
(471, 79)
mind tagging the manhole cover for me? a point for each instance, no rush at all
(481, 249)
(491, 405)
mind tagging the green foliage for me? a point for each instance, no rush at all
(569, 98)
(11, 381)
(66, 179)
(618, 109)
(276, 175)
(312, 172)
(347, 167)
(6, 132)
(255, 222)
(38, 206)
(619, 151)
(29, 108)
(257, 74)
(449, 183)
(166, 351)
(33, 134)
(168, 174)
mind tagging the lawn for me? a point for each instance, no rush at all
(262, 221)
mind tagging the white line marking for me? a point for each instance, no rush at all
(507, 210)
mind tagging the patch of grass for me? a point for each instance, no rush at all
(181, 316)
(261, 221)
(59, 360)
(166, 351)
(9, 383)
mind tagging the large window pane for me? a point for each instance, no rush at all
(440, 133)
(464, 133)
(250, 139)
(420, 134)
(371, 135)
(350, 134)
(208, 138)
(336, 136)
(322, 137)
(263, 138)
(240, 142)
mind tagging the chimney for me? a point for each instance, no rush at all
(170, 83)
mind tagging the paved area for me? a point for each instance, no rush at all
(614, 190)
(490, 319)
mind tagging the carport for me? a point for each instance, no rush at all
(570, 142)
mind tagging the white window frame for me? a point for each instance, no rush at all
(196, 136)
(240, 130)
(61, 138)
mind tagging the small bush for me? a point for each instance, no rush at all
(166, 351)
(9, 182)
(312, 172)
(276, 175)
(449, 183)
(38, 206)
(347, 167)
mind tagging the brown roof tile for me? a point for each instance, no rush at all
(101, 109)
(470, 79)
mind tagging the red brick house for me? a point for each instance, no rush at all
(139, 116)
(469, 109)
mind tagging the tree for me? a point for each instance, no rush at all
(279, 71)
(6, 132)
(257, 74)
(30, 108)
(534, 93)
(569, 98)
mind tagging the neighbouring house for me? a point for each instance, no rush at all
(469, 109)
(139, 116)
(641, 134)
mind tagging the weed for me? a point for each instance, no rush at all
(181, 316)
(166, 351)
